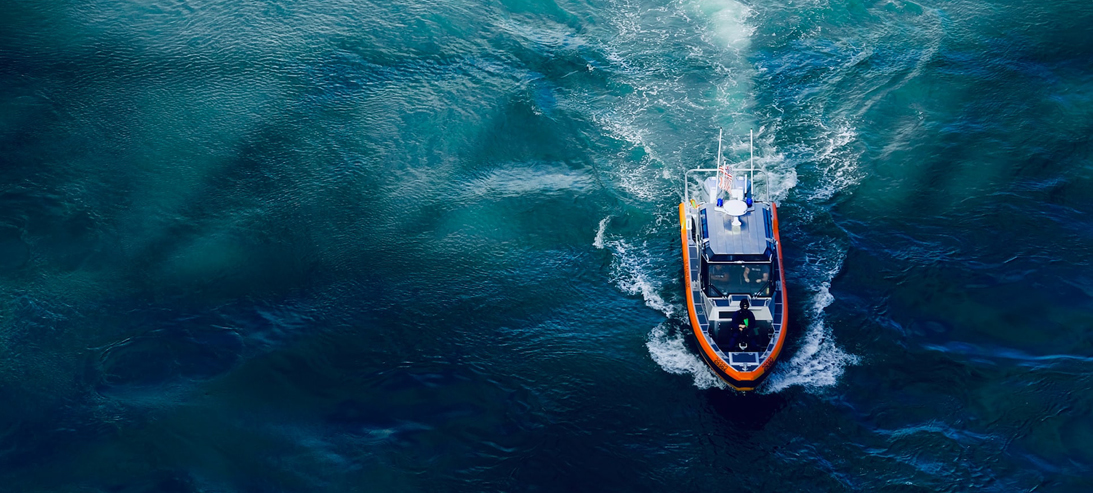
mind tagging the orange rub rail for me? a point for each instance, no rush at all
(741, 378)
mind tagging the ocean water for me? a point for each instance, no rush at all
(433, 246)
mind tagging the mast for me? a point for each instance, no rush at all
(751, 164)
(719, 132)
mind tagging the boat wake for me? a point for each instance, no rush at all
(668, 349)
(631, 270)
(644, 170)
(818, 362)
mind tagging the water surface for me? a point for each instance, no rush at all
(421, 246)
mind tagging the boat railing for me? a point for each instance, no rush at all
(750, 170)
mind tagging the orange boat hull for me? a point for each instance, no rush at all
(739, 380)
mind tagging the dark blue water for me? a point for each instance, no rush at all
(433, 246)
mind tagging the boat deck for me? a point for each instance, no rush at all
(724, 308)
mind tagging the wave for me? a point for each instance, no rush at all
(634, 273)
(668, 350)
(819, 361)
(514, 180)
(598, 240)
(837, 161)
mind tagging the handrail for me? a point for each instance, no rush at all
(687, 182)
(750, 169)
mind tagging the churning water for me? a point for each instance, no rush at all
(422, 246)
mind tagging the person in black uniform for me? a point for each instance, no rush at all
(743, 327)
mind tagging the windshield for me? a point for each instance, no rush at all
(725, 279)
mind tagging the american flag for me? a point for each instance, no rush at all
(724, 178)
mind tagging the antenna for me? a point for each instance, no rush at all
(751, 148)
(719, 132)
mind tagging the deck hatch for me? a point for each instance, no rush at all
(744, 357)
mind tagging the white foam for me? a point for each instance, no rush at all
(728, 19)
(669, 351)
(716, 31)
(781, 183)
(633, 269)
(518, 180)
(819, 361)
(632, 274)
(598, 240)
(776, 175)
(837, 161)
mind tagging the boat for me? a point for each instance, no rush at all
(732, 257)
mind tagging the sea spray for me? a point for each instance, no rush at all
(633, 274)
(668, 349)
(819, 361)
(598, 241)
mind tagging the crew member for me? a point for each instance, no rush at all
(719, 273)
(743, 328)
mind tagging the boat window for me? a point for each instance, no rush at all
(723, 279)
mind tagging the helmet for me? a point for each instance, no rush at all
(744, 303)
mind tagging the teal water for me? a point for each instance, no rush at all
(434, 246)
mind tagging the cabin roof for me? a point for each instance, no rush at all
(752, 241)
